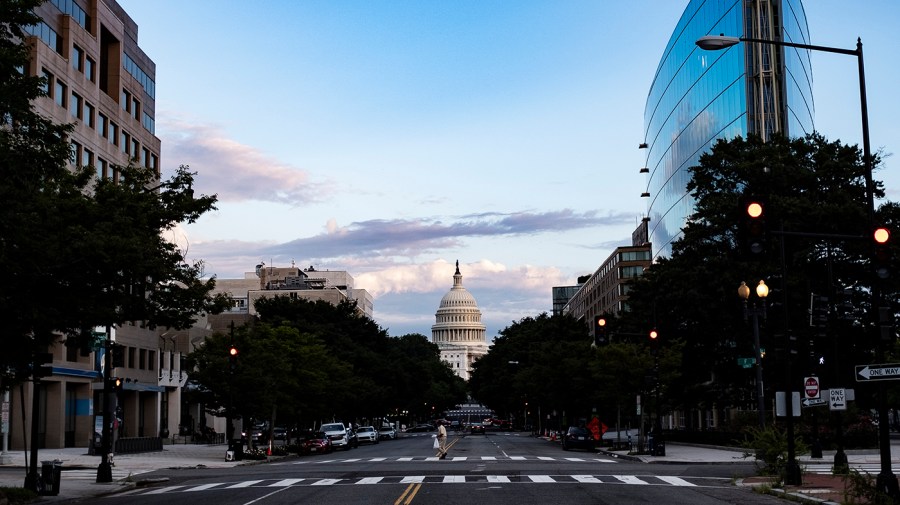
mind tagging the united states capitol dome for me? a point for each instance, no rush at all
(458, 330)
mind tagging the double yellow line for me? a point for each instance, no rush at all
(407, 497)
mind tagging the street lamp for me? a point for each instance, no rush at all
(886, 480)
(762, 291)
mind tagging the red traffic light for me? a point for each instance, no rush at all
(653, 334)
(233, 352)
(601, 321)
(882, 235)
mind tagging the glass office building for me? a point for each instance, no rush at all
(699, 96)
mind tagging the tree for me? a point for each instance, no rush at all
(818, 242)
(76, 252)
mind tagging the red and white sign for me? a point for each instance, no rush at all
(811, 387)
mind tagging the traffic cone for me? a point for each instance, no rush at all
(553, 436)
(269, 449)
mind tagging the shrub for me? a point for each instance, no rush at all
(769, 445)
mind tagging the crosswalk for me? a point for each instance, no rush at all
(91, 474)
(631, 480)
(407, 459)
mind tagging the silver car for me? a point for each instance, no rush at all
(367, 434)
(387, 433)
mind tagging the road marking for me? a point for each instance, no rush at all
(540, 478)
(498, 478)
(374, 460)
(203, 487)
(414, 479)
(630, 479)
(409, 493)
(575, 459)
(454, 479)
(370, 480)
(404, 459)
(326, 482)
(546, 458)
(165, 489)
(587, 479)
(286, 482)
(246, 483)
(488, 458)
(675, 481)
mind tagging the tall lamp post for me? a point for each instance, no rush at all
(755, 312)
(886, 480)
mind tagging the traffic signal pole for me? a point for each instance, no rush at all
(104, 470)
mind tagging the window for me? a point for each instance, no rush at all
(89, 68)
(77, 58)
(125, 143)
(75, 153)
(101, 169)
(75, 105)
(131, 357)
(48, 78)
(102, 125)
(142, 360)
(149, 123)
(135, 147)
(113, 133)
(151, 360)
(125, 100)
(154, 164)
(88, 114)
(87, 158)
(59, 93)
(145, 157)
(135, 108)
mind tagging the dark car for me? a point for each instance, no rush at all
(505, 426)
(578, 438)
(314, 442)
(420, 428)
(477, 428)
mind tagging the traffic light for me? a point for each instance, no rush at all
(118, 355)
(599, 331)
(232, 356)
(117, 383)
(43, 365)
(753, 212)
(654, 334)
(881, 261)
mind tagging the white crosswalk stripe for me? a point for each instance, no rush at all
(643, 480)
(404, 459)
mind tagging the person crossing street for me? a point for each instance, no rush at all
(442, 441)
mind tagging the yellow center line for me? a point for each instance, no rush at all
(408, 493)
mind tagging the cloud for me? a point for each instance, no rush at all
(236, 172)
(412, 237)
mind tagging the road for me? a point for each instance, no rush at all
(496, 468)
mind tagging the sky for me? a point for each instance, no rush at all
(392, 138)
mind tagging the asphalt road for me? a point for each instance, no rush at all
(497, 468)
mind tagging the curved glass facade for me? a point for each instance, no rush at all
(699, 96)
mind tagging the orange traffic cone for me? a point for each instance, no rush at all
(269, 449)
(553, 436)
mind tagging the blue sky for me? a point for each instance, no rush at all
(391, 138)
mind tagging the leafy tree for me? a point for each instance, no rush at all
(77, 252)
(818, 242)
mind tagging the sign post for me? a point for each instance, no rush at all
(865, 373)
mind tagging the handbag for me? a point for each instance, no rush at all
(437, 444)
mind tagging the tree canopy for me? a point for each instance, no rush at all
(77, 251)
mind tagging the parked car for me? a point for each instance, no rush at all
(386, 433)
(420, 428)
(505, 426)
(279, 433)
(341, 436)
(313, 442)
(367, 434)
(477, 429)
(578, 438)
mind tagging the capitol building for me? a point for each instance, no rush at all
(458, 330)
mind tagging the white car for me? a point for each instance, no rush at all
(387, 433)
(338, 434)
(367, 434)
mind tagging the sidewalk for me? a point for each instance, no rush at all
(79, 470)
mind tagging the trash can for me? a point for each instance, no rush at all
(51, 474)
(660, 447)
(235, 451)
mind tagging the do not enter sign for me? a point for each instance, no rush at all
(811, 387)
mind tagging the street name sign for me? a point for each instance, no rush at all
(813, 402)
(865, 373)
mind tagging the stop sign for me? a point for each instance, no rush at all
(811, 387)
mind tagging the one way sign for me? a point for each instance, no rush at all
(865, 373)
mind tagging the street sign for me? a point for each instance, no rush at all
(838, 399)
(813, 402)
(865, 373)
(811, 387)
(746, 362)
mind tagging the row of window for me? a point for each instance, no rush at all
(146, 82)
(83, 63)
(43, 31)
(73, 9)
(81, 109)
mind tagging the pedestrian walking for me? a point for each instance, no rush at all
(442, 441)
